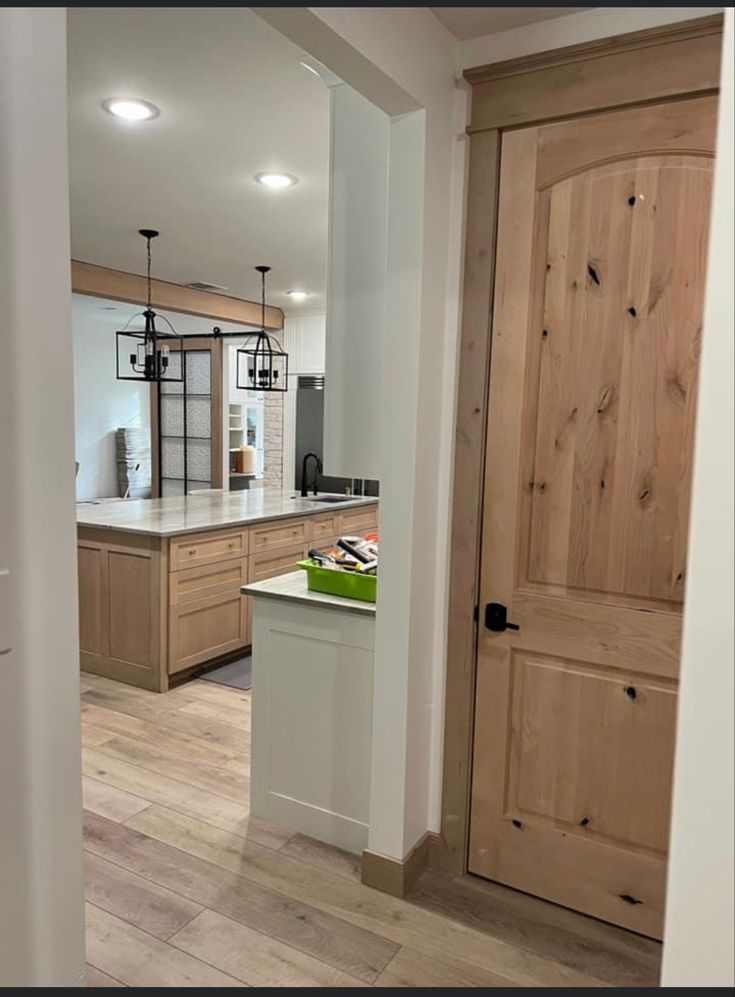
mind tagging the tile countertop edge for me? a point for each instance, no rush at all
(292, 588)
(218, 521)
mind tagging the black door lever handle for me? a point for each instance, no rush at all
(496, 618)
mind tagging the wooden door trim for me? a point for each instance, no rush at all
(476, 332)
(469, 469)
(598, 75)
(117, 285)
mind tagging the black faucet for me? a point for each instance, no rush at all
(304, 483)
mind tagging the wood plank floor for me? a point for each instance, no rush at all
(185, 888)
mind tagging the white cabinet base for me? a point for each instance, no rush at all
(312, 720)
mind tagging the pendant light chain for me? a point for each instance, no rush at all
(148, 251)
(262, 298)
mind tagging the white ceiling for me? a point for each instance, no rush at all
(233, 100)
(473, 22)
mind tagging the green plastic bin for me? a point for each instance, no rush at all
(347, 584)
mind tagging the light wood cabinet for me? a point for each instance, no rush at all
(323, 529)
(120, 629)
(206, 628)
(207, 616)
(153, 607)
(270, 563)
(193, 584)
(357, 520)
(208, 548)
(282, 533)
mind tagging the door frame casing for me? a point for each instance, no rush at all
(606, 74)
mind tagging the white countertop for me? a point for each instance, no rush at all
(166, 517)
(292, 588)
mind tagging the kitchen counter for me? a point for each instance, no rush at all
(161, 581)
(292, 588)
(194, 513)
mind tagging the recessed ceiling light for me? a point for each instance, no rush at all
(297, 295)
(277, 181)
(130, 108)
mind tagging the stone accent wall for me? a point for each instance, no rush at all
(273, 440)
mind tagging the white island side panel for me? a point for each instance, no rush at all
(312, 720)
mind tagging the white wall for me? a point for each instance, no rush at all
(356, 280)
(698, 942)
(102, 404)
(41, 926)
(599, 22)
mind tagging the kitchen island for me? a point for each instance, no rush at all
(312, 710)
(160, 579)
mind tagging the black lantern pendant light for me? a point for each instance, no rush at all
(264, 365)
(149, 354)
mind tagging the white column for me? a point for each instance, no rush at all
(356, 278)
(41, 924)
(698, 940)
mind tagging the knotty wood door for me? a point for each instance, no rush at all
(602, 237)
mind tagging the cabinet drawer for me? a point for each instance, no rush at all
(281, 533)
(206, 628)
(358, 520)
(206, 548)
(190, 584)
(323, 529)
(268, 564)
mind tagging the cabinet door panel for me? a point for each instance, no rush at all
(92, 568)
(272, 536)
(207, 548)
(193, 584)
(133, 627)
(358, 520)
(206, 629)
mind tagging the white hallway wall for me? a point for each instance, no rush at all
(698, 949)
(41, 926)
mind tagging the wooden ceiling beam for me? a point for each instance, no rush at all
(116, 285)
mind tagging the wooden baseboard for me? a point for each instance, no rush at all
(398, 878)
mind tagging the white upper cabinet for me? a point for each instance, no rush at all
(304, 340)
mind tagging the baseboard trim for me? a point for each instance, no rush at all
(397, 877)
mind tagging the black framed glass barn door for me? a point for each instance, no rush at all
(187, 417)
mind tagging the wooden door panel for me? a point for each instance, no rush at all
(587, 749)
(608, 494)
(602, 235)
(603, 635)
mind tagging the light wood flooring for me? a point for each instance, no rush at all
(184, 888)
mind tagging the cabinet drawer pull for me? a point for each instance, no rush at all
(192, 551)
